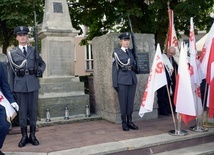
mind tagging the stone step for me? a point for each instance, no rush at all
(202, 149)
(57, 121)
(72, 119)
(166, 144)
(61, 87)
(60, 79)
(76, 105)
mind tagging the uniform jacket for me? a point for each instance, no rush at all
(4, 86)
(123, 77)
(26, 83)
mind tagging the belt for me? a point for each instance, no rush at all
(23, 72)
(27, 72)
(127, 68)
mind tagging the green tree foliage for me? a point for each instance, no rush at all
(16, 13)
(104, 16)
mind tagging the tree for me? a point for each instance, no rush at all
(104, 16)
(15, 13)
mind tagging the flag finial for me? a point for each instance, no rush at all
(168, 4)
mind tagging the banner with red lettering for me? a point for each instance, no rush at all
(156, 80)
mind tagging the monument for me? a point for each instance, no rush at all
(106, 101)
(59, 87)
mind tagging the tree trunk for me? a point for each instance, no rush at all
(5, 36)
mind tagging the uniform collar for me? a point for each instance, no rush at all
(21, 47)
(124, 49)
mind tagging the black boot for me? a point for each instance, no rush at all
(130, 124)
(124, 123)
(24, 139)
(32, 137)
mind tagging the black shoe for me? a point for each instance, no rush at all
(1, 153)
(32, 137)
(132, 126)
(125, 127)
(33, 140)
(23, 141)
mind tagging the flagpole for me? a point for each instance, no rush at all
(172, 111)
(176, 132)
(204, 99)
(199, 119)
(206, 123)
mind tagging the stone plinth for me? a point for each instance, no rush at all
(106, 99)
(59, 87)
(57, 93)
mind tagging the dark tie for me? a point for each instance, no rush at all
(24, 51)
(127, 51)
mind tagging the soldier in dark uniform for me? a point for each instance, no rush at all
(124, 80)
(5, 89)
(24, 83)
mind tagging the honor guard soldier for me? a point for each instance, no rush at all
(124, 80)
(25, 66)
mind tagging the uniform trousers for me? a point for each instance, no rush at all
(27, 107)
(126, 95)
(4, 125)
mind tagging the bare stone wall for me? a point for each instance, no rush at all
(106, 100)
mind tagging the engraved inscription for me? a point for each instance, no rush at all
(57, 7)
(60, 62)
(143, 62)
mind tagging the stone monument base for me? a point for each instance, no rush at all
(116, 117)
(106, 99)
(59, 92)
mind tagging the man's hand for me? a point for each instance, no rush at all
(15, 106)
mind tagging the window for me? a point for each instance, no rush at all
(89, 58)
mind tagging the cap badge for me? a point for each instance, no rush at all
(21, 28)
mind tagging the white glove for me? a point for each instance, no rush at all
(15, 106)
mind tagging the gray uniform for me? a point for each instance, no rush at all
(124, 80)
(24, 83)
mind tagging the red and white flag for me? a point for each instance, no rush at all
(156, 80)
(204, 56)
(207, 67)
(195, 70)
(172, 39)
(210, 80)
(183, 96)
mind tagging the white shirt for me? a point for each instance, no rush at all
(21, 47)
(124, 49)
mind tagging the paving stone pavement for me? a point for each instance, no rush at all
(66, 139)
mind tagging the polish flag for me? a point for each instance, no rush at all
(207, 62)
(172, 39)
(204, 56)
(156, 80)
(195, 70)
(210, 80)
(183, 96)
